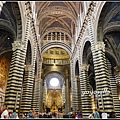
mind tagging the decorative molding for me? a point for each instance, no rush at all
(28, 68)
(18, 45)
(100, 46)
(84, 67)
(83, 28)
(117, 68)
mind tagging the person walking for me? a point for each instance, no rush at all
(96, 114)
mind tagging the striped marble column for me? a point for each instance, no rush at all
(67, 94)
(63, 94)
(79, 94)
(34, 93)
(72, 78)
(85, 93)
(27, 89)
(35, 101)
(79, 80)
(75, 95)
(27, 95)
(113, 81)
(38, 96)
(14, 84)
(41, 95)
(44, 92)
(105, 100)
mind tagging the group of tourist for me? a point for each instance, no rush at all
(4, 114)
(32, 114)
(95, 114)
(98, 114)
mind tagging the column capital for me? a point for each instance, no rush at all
(100, 46)
(36, 77)
(71, 60)
(84, 67)
(66, 73)
(18, 45)
(28, 67)
(117, 68)
(77, 78)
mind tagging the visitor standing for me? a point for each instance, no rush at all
(4, 112)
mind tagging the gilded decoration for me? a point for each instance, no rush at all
(4, 72)
(54, 99)
(57, 53)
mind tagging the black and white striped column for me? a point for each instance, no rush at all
(72, 78)
(27, 95)
(14, 84)
(79, 94)
(34, 93)
(75, 95)
(113, 81)
(44, 92)
(105, 101)
(63, 95)
(35, 101)
(27, 90)
(41, 95)
(67, 94)
(85, 92)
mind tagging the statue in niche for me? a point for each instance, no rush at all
(91, 74)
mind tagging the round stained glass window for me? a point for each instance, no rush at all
(54, 82)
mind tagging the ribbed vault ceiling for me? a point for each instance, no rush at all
(57, 16)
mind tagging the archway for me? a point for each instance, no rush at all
(108, 32)
(9, 33)
(56, 60)
(54, 84)
(27, 83)
(89, 80)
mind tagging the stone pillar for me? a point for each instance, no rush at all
(67, 94)
(105, 101)
(72, 78)
(85, 95)
(34, 93)
(60, 36)
(38, 96)
(44, 93)
(79, 94)
(79, 80)
(27, 89)
(35, 102)
(116, 90)
(56, 36)
(51, 36)
(14, 84)
(63, 96)
(27, 95)
(41, 95)
(75, 96)
(40, 72)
